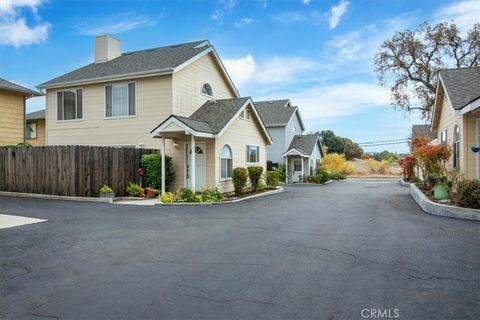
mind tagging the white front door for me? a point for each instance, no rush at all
(200, 166)
(296, 169)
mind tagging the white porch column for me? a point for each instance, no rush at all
(286, 169)
(192, 164)
(163, 164)
(303, 171)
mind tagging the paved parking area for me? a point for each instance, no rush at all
(312, 252)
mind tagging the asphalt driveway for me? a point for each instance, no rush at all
(312, 252)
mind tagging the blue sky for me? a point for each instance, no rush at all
(318, 53)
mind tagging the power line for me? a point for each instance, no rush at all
(383, 144)
(379, 141)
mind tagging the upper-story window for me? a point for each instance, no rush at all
(456, 146)
(294, 129)
(207, 89)
(120, 100)
(70, 104)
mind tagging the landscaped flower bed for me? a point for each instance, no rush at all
(246, 182)
(438, 182)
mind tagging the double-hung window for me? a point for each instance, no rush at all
(120, 100)
(253, 154)
(32, 130)
(70, 104)
(456, 146)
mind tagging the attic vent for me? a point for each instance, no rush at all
(270, 102)
(150, 50)
(176, 46)
(127, 54)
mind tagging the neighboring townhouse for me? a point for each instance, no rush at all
(12, 111)
(456, 117)
(299, 152)
(180, 94)
(35, 128)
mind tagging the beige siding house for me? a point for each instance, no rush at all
(35, 128)
(12, 112)
(456, 117)
(173, 98)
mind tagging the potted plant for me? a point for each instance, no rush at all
(151, 192)
(106, 192)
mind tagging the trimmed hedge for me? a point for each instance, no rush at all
(239, 180)
(467, 194)
(151, 164)
(272, 179)
(255, 174)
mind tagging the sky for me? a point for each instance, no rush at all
(317, 53)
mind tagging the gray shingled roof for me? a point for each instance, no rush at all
(462, 85)
(7, 85)
(304, 143)
(217, 113)
(162, 58)
(213, 115)
(422, 129)
(275, 112)
(37, 115)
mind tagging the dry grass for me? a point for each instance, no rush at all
(373, 168)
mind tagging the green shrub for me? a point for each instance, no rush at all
(272, 179)
(105, 189)
(211, 195)
(282, 172)
(322, 176)
(337, 176)
(254, 174)
(239, 180)
(134, 189)
(151, 164)
(467, 194)
(187, 195)
(168, 197)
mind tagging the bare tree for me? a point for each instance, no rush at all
(409, 62)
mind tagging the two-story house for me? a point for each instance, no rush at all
(179, 98)
(301, 153)
(456, 117)
(13, 99)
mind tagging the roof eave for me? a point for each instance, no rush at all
(132, 75)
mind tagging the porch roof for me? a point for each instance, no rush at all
(304, 144)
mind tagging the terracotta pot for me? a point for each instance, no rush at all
(151, 193)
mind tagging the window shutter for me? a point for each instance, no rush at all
(131, 99)
(79, 103)
(59, 105)
(108, 103)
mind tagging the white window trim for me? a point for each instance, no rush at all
(128, 99)
(242, 115)
(220, 155)
(446, 136)
(204, 94)
(36, 130)
(83, 104)
(477, 131)
(246, 152)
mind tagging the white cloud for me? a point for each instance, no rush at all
(241, 70)
(336, 13)
(245, 71)
(464, 13)
(243, 22)
(14, 29)
(338, 100)
(115, 24)
(283, 69)
(306, 2)
(225, 6)
(289, 17)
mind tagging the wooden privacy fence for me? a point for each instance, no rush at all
(69, 170)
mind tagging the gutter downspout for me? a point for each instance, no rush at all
(24, 119)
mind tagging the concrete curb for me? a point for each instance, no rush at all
(54, 197)
(403, 183)
(311, 183)
(443, 210)
(278, 190)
